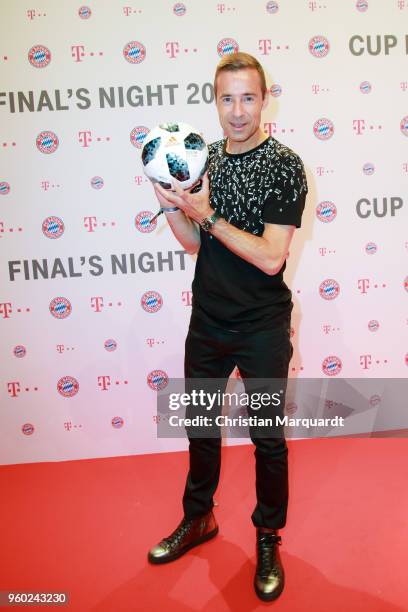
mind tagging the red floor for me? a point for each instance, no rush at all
(84, 527)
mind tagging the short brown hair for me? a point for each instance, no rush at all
(240, 61)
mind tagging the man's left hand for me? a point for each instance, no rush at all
(195, 205)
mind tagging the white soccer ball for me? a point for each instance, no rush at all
(174, 150)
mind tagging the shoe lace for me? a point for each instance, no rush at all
(178, 534)
(266, 552)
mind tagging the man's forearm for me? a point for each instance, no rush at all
(254, 249)
(185, 230)
(267, 252)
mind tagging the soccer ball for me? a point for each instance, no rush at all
(174, 150)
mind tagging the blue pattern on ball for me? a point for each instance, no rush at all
(177, 167)
(149, 150)
(194, 141)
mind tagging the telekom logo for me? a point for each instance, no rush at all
(5, 309)
(172, 49)
(265, 46)
(104, 382)
(13, 388)
(358, 126)
(187, 298)
(85, 138)
(363, 285)
(90, 223)
(365, 361)
(78, 52)
(97, 303)
(270, 128)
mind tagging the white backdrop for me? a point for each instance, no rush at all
(75, 373)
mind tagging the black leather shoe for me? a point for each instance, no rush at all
(269, 577)
(188, 534)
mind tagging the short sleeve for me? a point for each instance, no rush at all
(285, 204)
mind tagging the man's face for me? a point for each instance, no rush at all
(239, 104)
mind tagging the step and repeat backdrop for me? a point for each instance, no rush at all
(95, 301)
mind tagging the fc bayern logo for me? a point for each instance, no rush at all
(27, 429)
(39, 56)
(4, 188)
(84, 12)
(365, 87)
(137, 136)
(371, 248)
(404, 125)
(97, 182)
(227, 46)
(276, 90)
(157, 380)
(326, 211)
(368, 169)
(53, 227)
(179, 9)
(272, 7)
(67, 386)
(134, 52)
(19, 351)
(117, 422)
(142, 222)
(373, 325)
(47, 142)
(151, 301)
(329, 289)
(332, 365)
(319, 46)
(362, 5)
(323, 129)
(110, 345)
(60, 307)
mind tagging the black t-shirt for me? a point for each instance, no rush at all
(264, 185)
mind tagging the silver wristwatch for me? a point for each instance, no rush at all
(208, 223)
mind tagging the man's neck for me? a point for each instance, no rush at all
(242, 147)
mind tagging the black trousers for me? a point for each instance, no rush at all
(211, 352)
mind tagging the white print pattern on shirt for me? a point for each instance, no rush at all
(241, 184)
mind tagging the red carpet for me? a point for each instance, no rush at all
(84, 527)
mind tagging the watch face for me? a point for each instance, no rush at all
(207, 223)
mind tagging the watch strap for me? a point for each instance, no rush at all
(208, 222)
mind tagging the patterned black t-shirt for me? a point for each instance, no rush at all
(264, 185)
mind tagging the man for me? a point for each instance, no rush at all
(241, 223)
